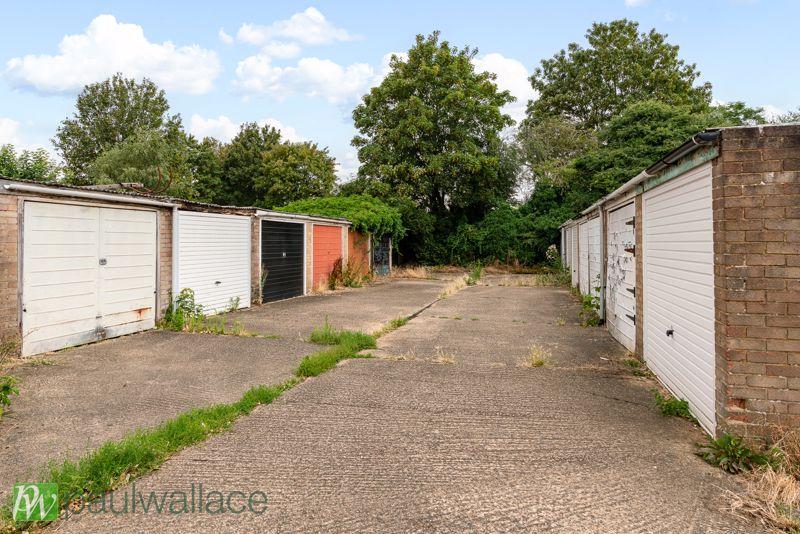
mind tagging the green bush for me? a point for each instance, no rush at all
(731, 454)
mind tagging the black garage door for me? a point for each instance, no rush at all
(282, 262)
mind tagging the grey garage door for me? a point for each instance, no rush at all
(282, 260)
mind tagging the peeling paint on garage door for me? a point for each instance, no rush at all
(621, 276)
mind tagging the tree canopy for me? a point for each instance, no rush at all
(431, 131)
(368, 214)
(28, 164)
(620, 65)
(152, 158)
(106, 114)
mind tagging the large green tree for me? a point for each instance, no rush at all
(431, 131)
(107, 113)
(243, 163)
(155, 159)
(204, 159)
(259, 169)
(619, 66)
(28, 164)
(293, 171)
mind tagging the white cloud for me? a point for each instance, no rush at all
(512, 76)
(224, 129)
(107, 47)
(772, 112)
(224, 37)
(277, 49)
(10, 132)
(311, 76)
(221, 128)
(308, 27)
(636, 3)
(347, 166)
(287, 132)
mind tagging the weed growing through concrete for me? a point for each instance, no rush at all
(346, 345)
(8, 388)
(731, 454)
(443, 357)
(637, 367)
(672, 406)
(474, 319)
(456, 285)
(41, 362)
(538, 356)
(560, 321)
(115, 463)
(475, 275)
(391, 326)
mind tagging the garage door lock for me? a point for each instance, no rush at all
(670, 332)
(103, 261)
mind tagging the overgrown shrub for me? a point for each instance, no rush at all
(475, 274)
(590, 310)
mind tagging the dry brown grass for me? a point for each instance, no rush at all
(454, 286)
(772, 494)
(535, 280)
(443, 357)
(538, 356)
(416, 272)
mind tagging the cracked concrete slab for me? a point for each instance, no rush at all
(480, 445)
(102, 391)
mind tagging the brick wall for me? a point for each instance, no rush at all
(164, 260)
(756, 185)
(9, 302)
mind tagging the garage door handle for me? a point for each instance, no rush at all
(217, 283)
(670, 332)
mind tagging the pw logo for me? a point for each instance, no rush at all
(35, 502)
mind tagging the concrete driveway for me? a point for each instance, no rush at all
(405, 444)
(98, 392)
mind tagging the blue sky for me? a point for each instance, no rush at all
(302, 66)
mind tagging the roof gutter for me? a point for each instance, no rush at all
(701, 139)
(300, 217)
(89, 195)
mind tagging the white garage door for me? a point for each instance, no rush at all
(573, 257)
(679, 289)
(621, 276)
(595, 256)
(583, 257)
(214, 259)
(88, 273)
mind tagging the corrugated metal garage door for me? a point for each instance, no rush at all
(214, 259)
(595, 256)
(583, 257)
(327, 249)
(621, 276)
(282, 260)
(88, 273)
(573, 257)
(679, 289)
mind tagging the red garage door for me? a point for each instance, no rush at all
(327, 249)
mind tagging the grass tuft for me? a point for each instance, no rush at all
(115, 463)
(391, 326)
(538, 356)
(672, 406)
(327, 335)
